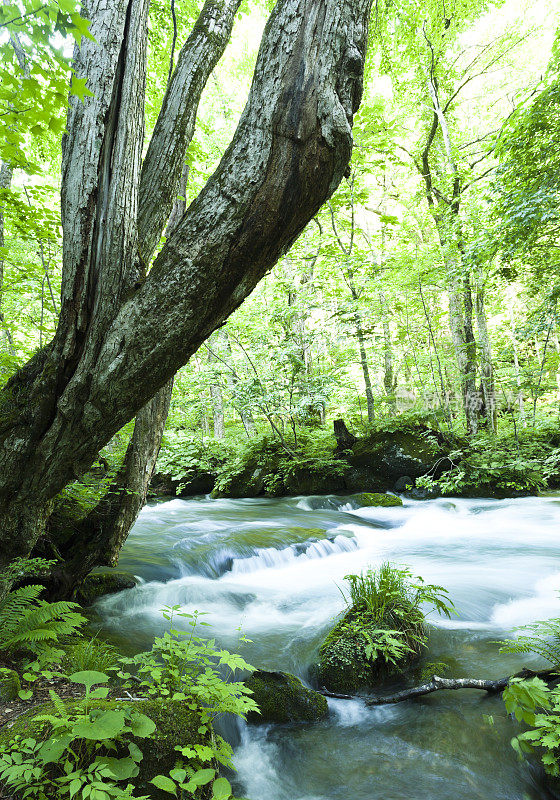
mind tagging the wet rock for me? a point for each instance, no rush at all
(379, 460)
(165, 485)
(403, 484)
(98, 584)
(378, 499)
(283, 698)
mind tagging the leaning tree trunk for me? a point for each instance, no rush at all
(124, 333)
(106, 527)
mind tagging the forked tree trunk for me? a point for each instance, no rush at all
(123, 334)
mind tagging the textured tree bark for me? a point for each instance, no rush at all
(122, 336)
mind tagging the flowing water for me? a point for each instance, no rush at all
(271, 569)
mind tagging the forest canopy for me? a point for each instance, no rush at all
(411, 274)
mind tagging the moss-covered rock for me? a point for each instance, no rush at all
(344, 665)
(380, 459)
(101, 583)
(378, 499)
(175, 725)
(282, 697)
(10, 685)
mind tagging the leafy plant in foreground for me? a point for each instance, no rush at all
(89, 753)
(184, 666)
(33, 625)
(542, 638)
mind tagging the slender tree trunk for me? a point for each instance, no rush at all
(518, 380)
(5, 183)
(217, 402)
(486, 368)
(365, 366)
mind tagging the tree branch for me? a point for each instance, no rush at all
(161, 170)
(437, 684)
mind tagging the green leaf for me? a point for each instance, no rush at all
(88, 678)
(141, 725)
(221, 789)
(165, 784)
(202, 777)
(106, 725)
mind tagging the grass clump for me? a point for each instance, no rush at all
(382, 630)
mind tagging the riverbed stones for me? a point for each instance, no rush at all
(283, 698)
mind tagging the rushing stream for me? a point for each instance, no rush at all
(272, 568)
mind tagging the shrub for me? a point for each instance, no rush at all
(89, 654)
(88, 752)
(382, 629)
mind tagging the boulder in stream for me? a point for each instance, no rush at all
(282, 698)
(98, 584)
(346, 664)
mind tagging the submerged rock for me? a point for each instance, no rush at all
(282, 697)
(98, 584)
(378, 499)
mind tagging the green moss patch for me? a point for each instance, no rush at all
(283, 698)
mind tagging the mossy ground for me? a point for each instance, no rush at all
(176, 724)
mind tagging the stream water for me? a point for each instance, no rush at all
(272, 569)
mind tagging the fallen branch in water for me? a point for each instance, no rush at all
(437, 683)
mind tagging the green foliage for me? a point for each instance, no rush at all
(486, 464)
(184, 455)
(387, 604)
(538, 706)
(87, 654)
(183, 666)
(382, 629)
(278, 464)
(32, 625)
(542, 638)
(89, 752)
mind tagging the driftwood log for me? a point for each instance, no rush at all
(436, 684)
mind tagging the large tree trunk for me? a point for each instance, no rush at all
(123, 334)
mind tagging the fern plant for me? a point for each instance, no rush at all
(34, 625)
(542, 638)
